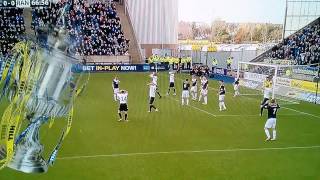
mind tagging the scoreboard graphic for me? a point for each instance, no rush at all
(23, 3)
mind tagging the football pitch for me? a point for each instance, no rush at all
(179, 142)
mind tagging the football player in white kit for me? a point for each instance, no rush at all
(266, 93)
(122, 97)
(272, 119)
(236, 87)
(154, 77)
(204, 90)
(194, 88)
(152, 95)
(171, 84)
(185, 92)
(222, 93)
(115, 87)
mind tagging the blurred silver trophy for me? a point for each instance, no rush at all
(52, 97)
(40, 85)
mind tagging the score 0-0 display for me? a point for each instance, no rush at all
(24, 3)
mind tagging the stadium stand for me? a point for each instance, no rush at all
(11, 28)
(94, 28)
(302, 47)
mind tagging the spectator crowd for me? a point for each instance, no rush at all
(94, 29)
(200, 70)
(303, 47)
(11, 27)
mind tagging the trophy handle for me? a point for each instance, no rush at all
(27, 157)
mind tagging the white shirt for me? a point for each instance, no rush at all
(203, 82)
(155, 79)
(123, 98)
(194, 81)
(171, 77)
(152, 91)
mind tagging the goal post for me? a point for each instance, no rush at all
(290, 82)
(252, 75)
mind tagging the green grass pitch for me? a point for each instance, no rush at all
(191, 142)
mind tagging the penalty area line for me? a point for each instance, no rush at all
(189, 152)
(195, 107)
(301, 112)
(258, 115)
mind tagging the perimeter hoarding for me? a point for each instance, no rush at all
(118, 68)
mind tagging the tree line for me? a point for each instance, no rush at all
(222, 32)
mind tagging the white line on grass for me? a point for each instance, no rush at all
(252, 115)
(250, 94)
(292, 102)
(301, 112)
(189, 152)
(195, 107)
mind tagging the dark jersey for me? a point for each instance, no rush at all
(115, 84)
(272, 110)
(222, 90)
(192, 72)
(186, 86)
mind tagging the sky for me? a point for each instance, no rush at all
(236, 11)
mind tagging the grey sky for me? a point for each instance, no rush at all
(271, 11)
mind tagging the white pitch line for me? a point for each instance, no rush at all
(189, 152)
(292, 102)
(301, 112)
(196, 108)
(252, 115)
(250, 94)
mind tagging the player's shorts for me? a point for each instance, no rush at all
(194, 89)
(185, 94)
(271, 123)
(116, 90)
(236, 87)
(151, 100)
(171, 84)
(123, 107)
(204, 92)
(221, 98)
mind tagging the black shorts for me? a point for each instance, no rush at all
(123, 107)
(151, 100)
(171, 84)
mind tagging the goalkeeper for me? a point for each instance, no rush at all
(266, 93)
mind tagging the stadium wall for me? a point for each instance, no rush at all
(155, 23)
(206, 58)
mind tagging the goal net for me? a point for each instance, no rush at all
(290, 83)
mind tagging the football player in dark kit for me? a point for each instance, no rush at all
(222, 93)
(185, 92)
(272, 119)
(115, 87)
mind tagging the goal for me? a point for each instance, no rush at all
(291, 83)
